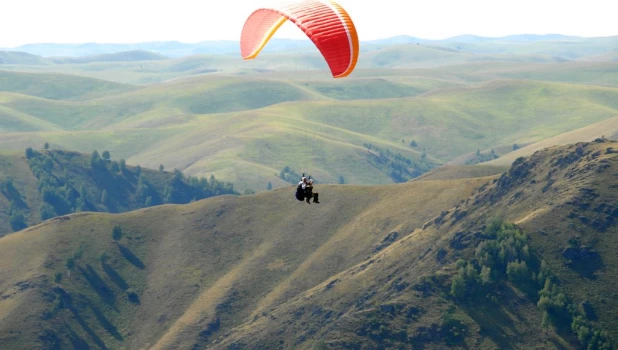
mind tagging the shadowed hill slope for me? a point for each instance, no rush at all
(181, 274)
(528, 261)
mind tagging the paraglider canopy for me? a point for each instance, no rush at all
(325, 22)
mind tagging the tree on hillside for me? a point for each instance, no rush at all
(424, 154)
(161, 167)
(115, 167)
(95, 161)
(16, 219)
(46, 212)
(58, 278)
(269, 186)
(70, 264)
(29, 153)
(46, 145)
(178, 175)
(117, 233)
(413, 144)
(106, 155)
(123, 165)
(341, 180)
(138, 170)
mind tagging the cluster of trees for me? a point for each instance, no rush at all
(291, 176)
(483, 157)
(67, 190)
(59, 196)
(412, 144)
(507, 256)
(17, 220)
(398, 167)
(180, 189)
(104, 162)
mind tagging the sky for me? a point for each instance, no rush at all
(129, 21)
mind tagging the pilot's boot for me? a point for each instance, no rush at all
(315, 198)
(308, 198)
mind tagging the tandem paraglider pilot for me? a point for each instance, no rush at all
(304, 191)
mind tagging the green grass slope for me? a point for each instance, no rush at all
(452, 172)
(607, 128)
(193, 96)
(182, 274)
(21, 58)
(245, 130)
(58, 86)
(527, 262)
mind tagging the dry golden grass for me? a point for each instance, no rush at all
(226, 257)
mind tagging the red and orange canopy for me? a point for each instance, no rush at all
(326, 23)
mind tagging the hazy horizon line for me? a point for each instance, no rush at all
(303, 39)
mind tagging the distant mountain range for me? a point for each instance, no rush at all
(231, 47)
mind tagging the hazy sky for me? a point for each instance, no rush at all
(126, 21)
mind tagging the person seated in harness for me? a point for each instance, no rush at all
(300, 189)
(309, 192)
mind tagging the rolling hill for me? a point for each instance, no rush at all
(244, 129)
(21, 58)
(371, 266)
(244, 121)
(56, 86)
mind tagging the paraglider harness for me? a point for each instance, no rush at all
(306, 193)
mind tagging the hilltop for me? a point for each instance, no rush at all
(381, 266)
(38, 185)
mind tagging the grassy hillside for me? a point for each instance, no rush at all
(526, 262)
(58, 86)
(504, 155)
(607, 128)
(244, 121)
(38, 185)
(452, 172)
(379, 266)
(176, 264)
(21, 58)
